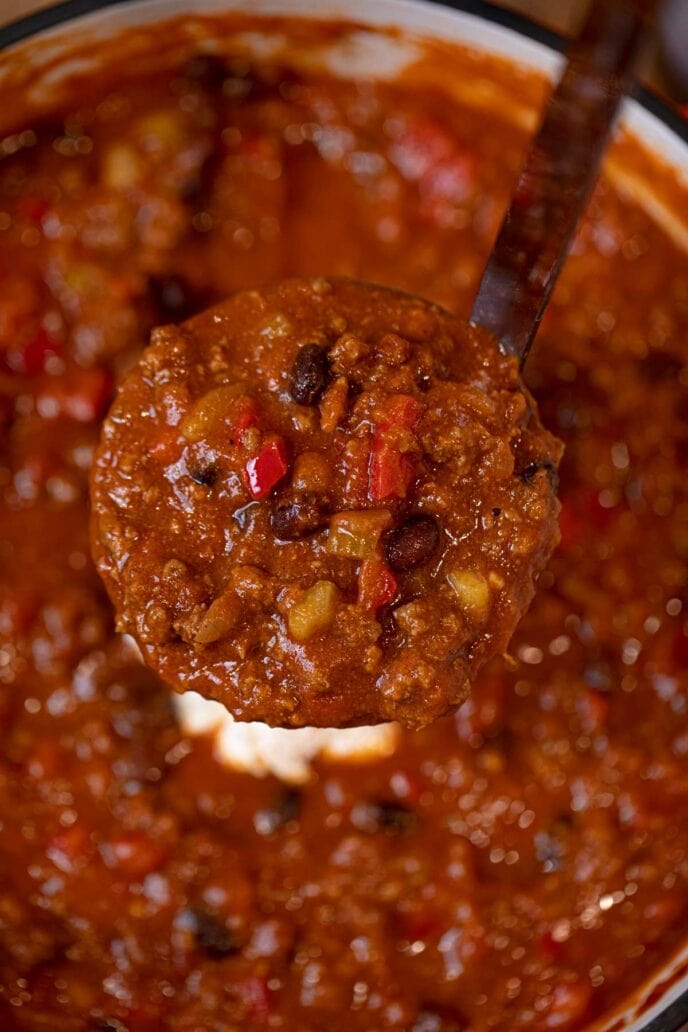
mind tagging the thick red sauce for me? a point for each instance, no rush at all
(523, 864)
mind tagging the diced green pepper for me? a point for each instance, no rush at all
(227, 404)
(356, 534)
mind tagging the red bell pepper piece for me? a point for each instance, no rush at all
(377, 585)
(390, 473)
(267, 468)
(400, 412)
(37, 351)
(391, 469)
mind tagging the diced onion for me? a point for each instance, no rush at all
(473, 593)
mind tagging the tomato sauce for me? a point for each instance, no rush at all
(521, 864)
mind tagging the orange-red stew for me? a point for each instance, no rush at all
(521, 865)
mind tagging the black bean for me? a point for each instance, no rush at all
(297, 517)
(204, 475)
(111, 1025)
(412, 543)
(309, 375)
(529, 473)
(174, 298)
(214, 938)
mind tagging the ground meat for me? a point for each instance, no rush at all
(278, 471)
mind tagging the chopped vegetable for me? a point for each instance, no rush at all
(390, 472)
(227, 405)
(399, 412)
(391, 467)
(267, 468)
(377, 585)
(314, 611)
(356, 534)
(473, 593)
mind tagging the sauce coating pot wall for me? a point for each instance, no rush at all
(549, 816)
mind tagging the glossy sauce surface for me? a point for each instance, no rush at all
(522, 865)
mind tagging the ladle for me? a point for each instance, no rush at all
(559, 171)
(347, 598)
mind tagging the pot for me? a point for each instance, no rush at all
(40, 50)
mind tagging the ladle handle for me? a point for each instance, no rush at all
(558, 174)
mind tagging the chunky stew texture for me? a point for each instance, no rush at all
(323, 503)
(521, 865)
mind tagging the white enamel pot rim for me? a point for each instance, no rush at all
(487, 28)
